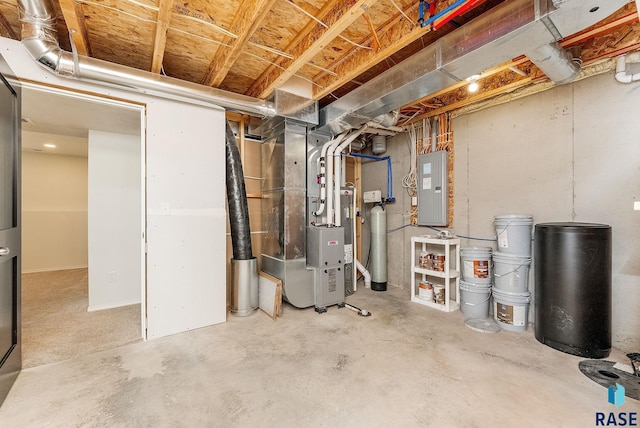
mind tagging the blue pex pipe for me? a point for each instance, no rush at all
(390, 197)
(424, 23)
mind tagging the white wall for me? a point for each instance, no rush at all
(186, 275)
(115, 229)
(186, 217)
(54, 212)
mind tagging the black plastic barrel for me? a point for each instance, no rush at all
(573, 287)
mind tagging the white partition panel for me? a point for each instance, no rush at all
(186, 276)
(115, 229)
(185, 218)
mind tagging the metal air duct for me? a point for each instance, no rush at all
(515, 27)
(39, 36)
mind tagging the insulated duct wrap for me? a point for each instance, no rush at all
(237, 199)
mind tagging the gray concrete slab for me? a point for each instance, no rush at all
(405, 366)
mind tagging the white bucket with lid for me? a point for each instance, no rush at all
(511, 310)
(476, 264)
(513, 233)
(511, 272)
(474, 300)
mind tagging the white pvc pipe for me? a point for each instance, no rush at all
(329, 176)
(621, 71)
(376, 125)
(365, 273)
(323, 178)
(355, 243)
(338, 172)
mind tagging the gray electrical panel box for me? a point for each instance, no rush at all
(433, 191)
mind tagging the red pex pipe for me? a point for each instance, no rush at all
(464, 8)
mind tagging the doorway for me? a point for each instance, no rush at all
(83, 224)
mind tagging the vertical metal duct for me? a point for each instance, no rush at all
(39, 36)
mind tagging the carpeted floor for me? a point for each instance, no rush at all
(56, 325)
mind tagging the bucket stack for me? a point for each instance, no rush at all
(511, 263)
(475, 283)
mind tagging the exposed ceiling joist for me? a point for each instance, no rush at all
(249, 18)
(395, 34)
(74, 18)
(164, 19)
(5, 28)
(303, 34)
(341, 17)
(400, 31)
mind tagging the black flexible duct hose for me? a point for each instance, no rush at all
(237, 199)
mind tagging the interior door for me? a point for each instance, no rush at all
(10, 357)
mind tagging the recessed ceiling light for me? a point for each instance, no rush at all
(50, 146)
(473, 87)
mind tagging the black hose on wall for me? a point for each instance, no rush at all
(237, 199)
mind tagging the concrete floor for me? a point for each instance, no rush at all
(405, 366)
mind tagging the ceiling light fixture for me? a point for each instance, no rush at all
(473, 83)
(50, 146)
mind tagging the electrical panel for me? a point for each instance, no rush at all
(433, 191)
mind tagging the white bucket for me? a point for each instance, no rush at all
(511, 272)
(514, 234)
(476, 264)
(474, 300)
(511, 310)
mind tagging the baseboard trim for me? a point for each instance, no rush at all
(112, 306)
(51, 269)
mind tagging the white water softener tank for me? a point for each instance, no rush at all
(378, 249)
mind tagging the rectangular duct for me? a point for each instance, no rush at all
(283, 208)
(509, 30)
